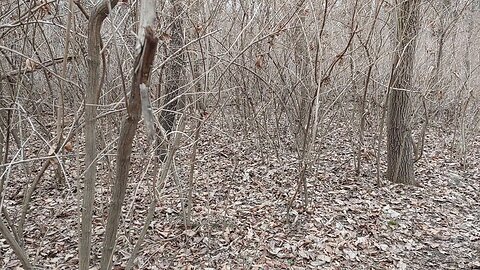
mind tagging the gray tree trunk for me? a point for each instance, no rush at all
(399, 135)
(175, 72)
(146, 49)
(99, 13)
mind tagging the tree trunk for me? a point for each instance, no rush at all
(175, 68)
(99, 13)
(399, 135)
(146, 49)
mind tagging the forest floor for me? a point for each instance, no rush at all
(239, 212)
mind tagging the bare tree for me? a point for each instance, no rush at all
(399, 134)
(260, 103)
(175, 70)
(146, 48)
(92, 94)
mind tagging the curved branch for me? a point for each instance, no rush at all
(98, 15)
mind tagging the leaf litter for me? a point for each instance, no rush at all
(239, 217)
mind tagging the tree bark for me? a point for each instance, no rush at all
(99, 13)
(175, 69)
(399, 135)
(146, 49)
